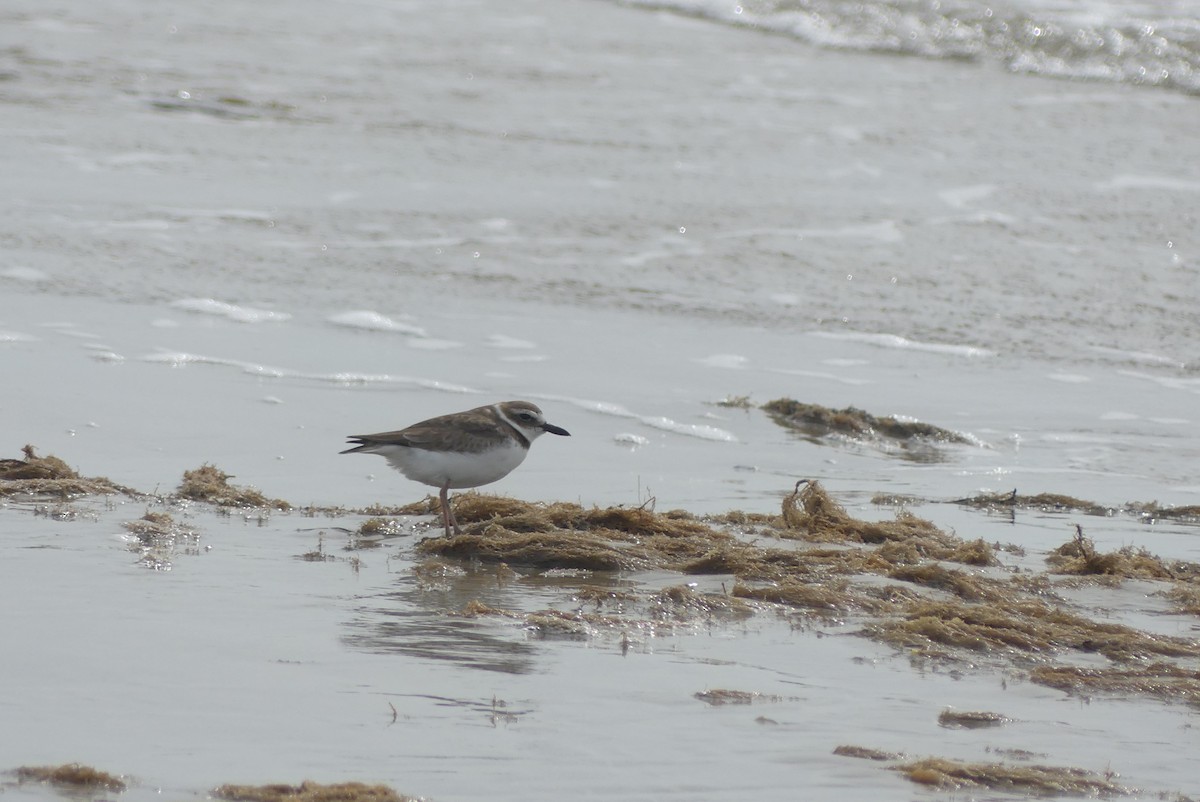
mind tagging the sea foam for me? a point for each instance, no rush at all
(242, 314)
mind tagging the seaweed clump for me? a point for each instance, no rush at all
(865, 752)
(1041, 780)
(724, 696)
(1044, 502)
(819, 420)
(916, 439)
(309, 791)
(810, 512)
(566, 535)
(1079, 556)
(1019, 627)
(159, 538)
(210, 483)
(1028, 780)
(50, 476)
(380, 527)
(1160, 680)
(71, 775)
(1058, 502)
(969, 719)
(1186, 598)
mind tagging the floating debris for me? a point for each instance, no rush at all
(833, 601)
(735, 402)
(50, 476)
(681, 603)
(1079, 556)
(159, 538)
(1058, 502)
(723, 696)
(224, 107)
(1041, 780)
(1019, 626)
(1165, 681)
(75, 776)
(1045, 502)
(1150, 511)
(951, 580)
(810, 512)
(372, 532)
(210, 483)
(865, 753)
(1186, 598)
(309, 791)
(819, 420)
(917, 441)
(970, 720)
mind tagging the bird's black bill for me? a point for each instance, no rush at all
(550, 427)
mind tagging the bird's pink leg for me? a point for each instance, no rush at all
(447, 513)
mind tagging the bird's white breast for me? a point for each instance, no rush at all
(456, 469)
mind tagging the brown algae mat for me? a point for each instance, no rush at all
(970, 719)
(74, 778)
(1166, 681)
(210, 483)
(718, 697)
(820, 420)
(1146, 511)
(158, 537)
(308, 791)
(908, 439)
(1028, 780)
(1079, 557)
(941, 597)
(71, 777)
(50, 477)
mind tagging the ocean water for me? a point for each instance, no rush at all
(236, 234)
(1154, 43)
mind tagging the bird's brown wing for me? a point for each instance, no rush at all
(473, 430)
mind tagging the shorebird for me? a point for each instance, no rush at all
(462, 449)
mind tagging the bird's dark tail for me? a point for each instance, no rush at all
(360, 444)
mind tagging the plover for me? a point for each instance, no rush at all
(463, 449)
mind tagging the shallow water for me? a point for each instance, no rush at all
(218, 252)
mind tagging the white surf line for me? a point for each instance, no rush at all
(178, 359)
(182, 358)
(370, 320)
(896, 341)
(242, 314)
(1169, 382)
(1144, 357)
(702, 431)
(816, 374)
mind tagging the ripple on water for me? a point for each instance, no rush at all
(368, 320)
(241, 314)
(896, 341)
